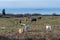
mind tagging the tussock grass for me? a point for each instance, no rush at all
(37, 28)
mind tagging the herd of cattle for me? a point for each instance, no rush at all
(32, 19)
(27, 27)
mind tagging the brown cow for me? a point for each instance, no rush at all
(39, 17)
(19, 21)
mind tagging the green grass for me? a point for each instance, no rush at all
(12, 22)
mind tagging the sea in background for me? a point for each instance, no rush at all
(31, 10)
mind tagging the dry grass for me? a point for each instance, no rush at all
(37, 28)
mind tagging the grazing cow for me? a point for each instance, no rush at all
(19, 21)
(48, 27)
(21, 30)
(39, 17)
(22, 24)
(26, 19)
(34, 19)
(27, 27)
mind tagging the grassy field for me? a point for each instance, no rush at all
(9, 27)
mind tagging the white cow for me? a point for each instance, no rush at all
(48, 28)
(23, 24)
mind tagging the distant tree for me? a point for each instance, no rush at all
(3, 12)
(19, 15)
(36, 14)
(54, 14)
(27, 14)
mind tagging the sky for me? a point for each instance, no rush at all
(29, 3)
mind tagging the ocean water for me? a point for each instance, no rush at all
(31, 10)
